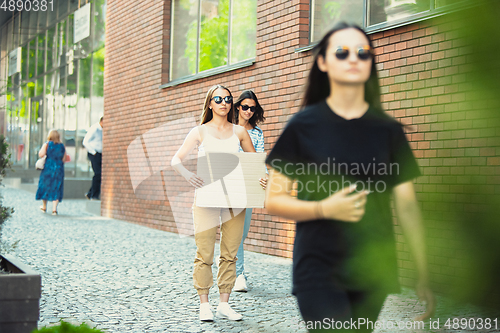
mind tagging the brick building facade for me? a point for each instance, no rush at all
(424, 74)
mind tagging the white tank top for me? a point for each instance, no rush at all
(213, 144)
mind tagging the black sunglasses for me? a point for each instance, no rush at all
(246, 107)
(218, 99)
(363, 52)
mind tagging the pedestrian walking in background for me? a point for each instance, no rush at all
(216, 133)
(248, 113)
(93, 143)
(51, 181)
(344, 257)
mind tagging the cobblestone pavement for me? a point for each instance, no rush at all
(122, 277)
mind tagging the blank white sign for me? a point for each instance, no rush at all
(231, 180)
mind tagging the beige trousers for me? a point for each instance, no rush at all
(206, 221)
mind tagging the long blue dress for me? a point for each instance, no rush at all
(51, 182)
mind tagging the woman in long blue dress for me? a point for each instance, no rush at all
(51, 182)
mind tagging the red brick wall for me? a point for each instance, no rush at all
(136, 65)
(430, 82)
(423, 70)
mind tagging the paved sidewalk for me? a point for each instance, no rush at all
(122, 277)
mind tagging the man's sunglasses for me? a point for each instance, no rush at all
(246, 107)
(218, 99)
(363, 52)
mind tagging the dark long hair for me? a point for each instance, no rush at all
(318, 85)
(258, 115)
(207, 113)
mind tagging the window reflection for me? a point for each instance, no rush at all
(200, 34)
(391, 10)
(325, 14)
(185, 18)
(243, 31)
(48, 93)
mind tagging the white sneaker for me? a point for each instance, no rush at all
(241, 283)
(225, 311)
(206, 312)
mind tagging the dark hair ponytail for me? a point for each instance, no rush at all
(318, 85)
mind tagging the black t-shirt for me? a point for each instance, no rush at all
(324, 153)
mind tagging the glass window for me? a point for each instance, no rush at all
(185, 19)
(70, 113)
(441, 3)
(52, 47)
(390, 10)
(99, 23)
(51, 89)
(58, 103)
(97, 102)
(73, 4)
(243, 32)
(39, 86)
(41, 54)
(325, 14)
(98, 73)
(17, 22)
(32, 59)
(69, 31)
(84, 47)
(52, 84)
(200, 34)
(52, 14)
(10, 35)
(71, 85)
(83, 110)
(25, 25)
(32, 31)
(30, 89)
(61, 47)
(3, 76)
(16, 113)
(24, 62)
(213, 35)
(13, 94)
(84, 77)
(3, 43)
(42, 20)
(62, 9)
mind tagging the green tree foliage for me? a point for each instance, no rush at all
(243, 30)
(212, 43)
(213, 39)
(100, 23)
(334, 9)
(98, 72)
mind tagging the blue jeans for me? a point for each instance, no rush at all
(240, 255)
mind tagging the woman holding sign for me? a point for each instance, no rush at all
(216, 133)
(347, 157)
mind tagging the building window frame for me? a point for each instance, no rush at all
(207, 72)
(387, 25)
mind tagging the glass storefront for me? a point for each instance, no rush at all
(59, 84)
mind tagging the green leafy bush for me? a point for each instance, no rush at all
(5, 212)
(65, 327)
